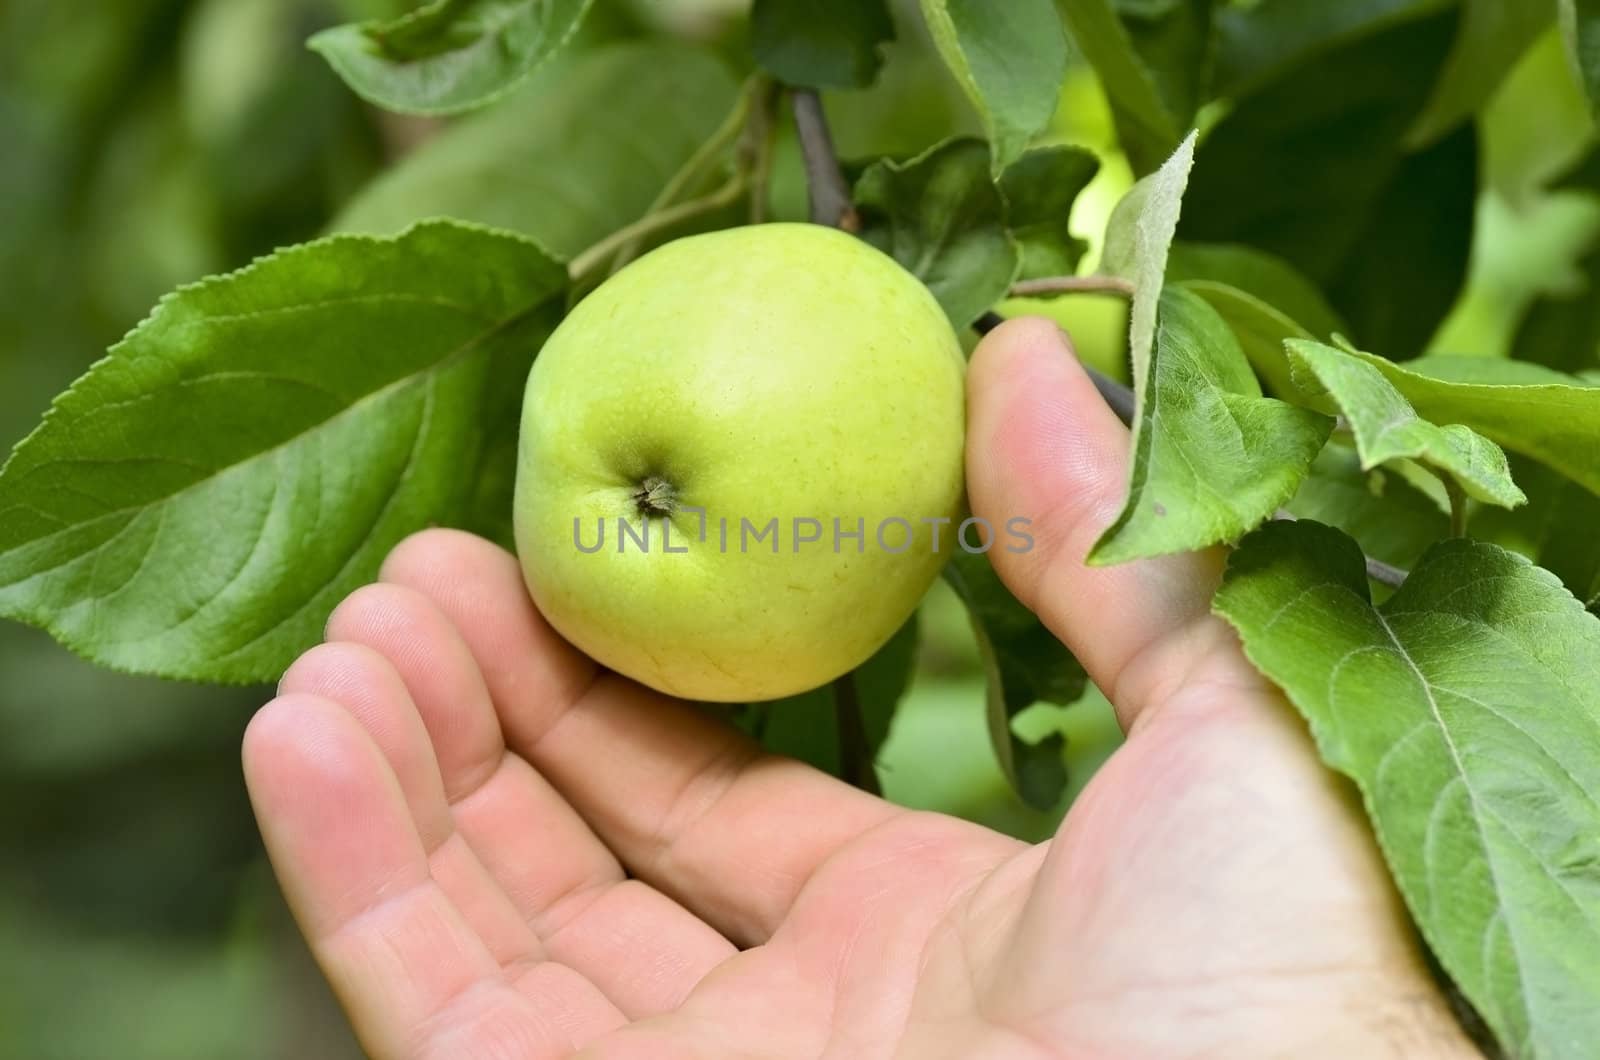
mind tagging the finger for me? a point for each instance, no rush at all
(1043, 445)
(641, 948)
(352, 865)
(361, 681)
(686, 802)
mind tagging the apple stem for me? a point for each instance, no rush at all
(655, 496)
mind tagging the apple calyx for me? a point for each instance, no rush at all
(655, 496)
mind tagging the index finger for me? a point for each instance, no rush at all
(685, 801)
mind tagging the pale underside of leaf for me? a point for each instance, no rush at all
(1387, 428)
(1524, 408)
(1466, 711)
(1138, 239)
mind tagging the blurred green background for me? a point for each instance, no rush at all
(150, 142)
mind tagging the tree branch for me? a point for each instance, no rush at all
(830, 193)
(1385, 574)
(652, 223)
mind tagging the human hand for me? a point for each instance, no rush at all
(497, 850)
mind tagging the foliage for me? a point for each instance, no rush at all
(449, 55)
(969, 237)
(626, 118)
(1202, 398)
(1580, 27)
(1463, 710)
(228, 558)
(1023, 664)
(1386, 427)
(832, 44)
(196, 502)
(1008, 60)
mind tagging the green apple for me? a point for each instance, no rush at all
(704, 438)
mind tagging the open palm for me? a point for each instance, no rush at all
(497, 850)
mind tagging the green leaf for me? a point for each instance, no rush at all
(1024, 663)
(449, 55)
(1259, 328)
(1493, 371)
(1148, 130)
(1212, 458)
(1522, 407)
(1411, 265)
(1263, 276)
(282, 140)
(941, 217)
(1563, 331)
(1391, 519)
(820, 43)
(1555, 529)
(1137, 242)
(1466, 711)
(1580, 28)
(197, 503)
(1312, 167)
(1010, 60)
(1174, 41)
(579, 152)
(1387, 428)
(1492, 37)
(1581, 175)
(806, 726)
(1039, 192)
(1258, 42)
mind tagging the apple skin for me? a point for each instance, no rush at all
(775, 371)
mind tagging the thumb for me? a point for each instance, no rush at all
(1043, 446)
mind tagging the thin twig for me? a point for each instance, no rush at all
(1119, 397)
(1122, 402)
(652, 223)
(830, 194)
(1379, 571)
(1072, 285)
(695, 169)
(1385, 574)
(757, 147)
(855, 760)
